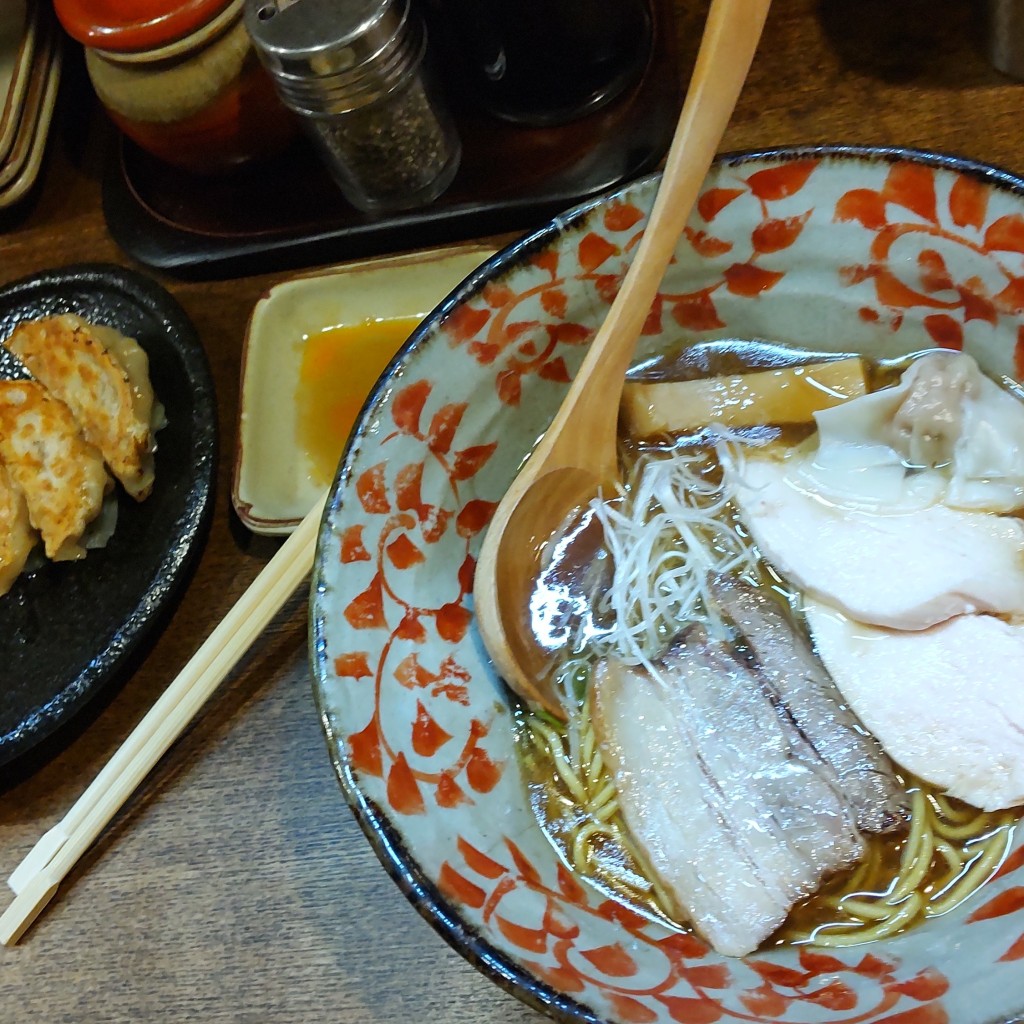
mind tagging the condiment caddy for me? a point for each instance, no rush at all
(288, 211)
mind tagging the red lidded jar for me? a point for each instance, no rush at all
(181, 79)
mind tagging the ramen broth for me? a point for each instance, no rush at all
(948, 850)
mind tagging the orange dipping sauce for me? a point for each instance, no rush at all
(339, 367)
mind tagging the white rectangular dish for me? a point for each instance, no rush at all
(274, 482)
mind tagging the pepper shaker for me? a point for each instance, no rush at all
(354, 71)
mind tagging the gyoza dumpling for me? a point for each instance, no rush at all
(60, 473)
(17, 538)
(103, 377)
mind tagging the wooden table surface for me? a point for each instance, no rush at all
(235, 885)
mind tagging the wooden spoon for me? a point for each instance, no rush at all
(577, 457)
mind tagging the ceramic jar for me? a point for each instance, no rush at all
(356, 74)
(180, 78)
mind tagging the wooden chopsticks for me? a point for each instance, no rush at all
(37, 877)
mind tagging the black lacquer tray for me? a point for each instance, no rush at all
(69, 629)
(287, 212)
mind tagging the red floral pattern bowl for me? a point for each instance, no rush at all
(881, 251)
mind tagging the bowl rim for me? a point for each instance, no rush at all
(396, 859)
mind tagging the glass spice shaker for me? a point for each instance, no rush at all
(354, 70)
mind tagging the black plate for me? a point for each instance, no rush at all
(69, 628)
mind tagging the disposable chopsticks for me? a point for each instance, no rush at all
(37, 877)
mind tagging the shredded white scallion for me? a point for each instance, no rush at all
(673, 527)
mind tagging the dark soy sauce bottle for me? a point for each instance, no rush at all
(545, 62)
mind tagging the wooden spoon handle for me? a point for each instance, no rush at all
(727, 48)
(577, 454)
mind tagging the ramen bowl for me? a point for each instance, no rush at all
(883, 252)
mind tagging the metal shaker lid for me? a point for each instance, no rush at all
(316, 38)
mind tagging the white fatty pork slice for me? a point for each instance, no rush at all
(733, 813)
(947, 703)
(901, 570)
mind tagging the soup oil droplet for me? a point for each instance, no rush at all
(339, 367)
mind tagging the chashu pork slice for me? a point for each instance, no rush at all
(17, 538)
(906, 570)
(103, 377)
(947, 703)
(781, 656)
(731, 811)
(61, 475)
